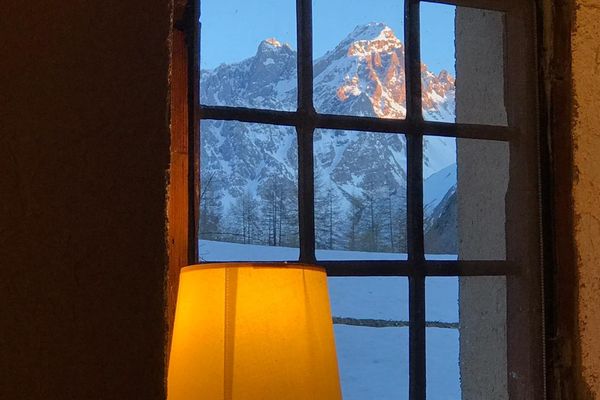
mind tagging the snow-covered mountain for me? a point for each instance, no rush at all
(249, 171)
(365, 75)
(268, 80)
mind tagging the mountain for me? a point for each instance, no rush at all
(267, 80)
(437, 186)
(363, 75)
(441, 234)
(249, 171)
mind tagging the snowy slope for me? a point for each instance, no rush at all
(373, 362)
(437, 186)
(364, 297)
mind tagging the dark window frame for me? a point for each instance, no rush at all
(523, 265)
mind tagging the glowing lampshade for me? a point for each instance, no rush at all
(253, 332)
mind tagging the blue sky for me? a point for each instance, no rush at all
(232, 29)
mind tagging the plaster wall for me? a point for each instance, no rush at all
(84, 152)
(585, 42)
(482, 179)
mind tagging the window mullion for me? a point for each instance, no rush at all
(306, 208)
(428, 268)
(417, 366)
(361, 123)
(414, 149)
(414, 139)
(305, 132)
(193, 32)
(305, 50)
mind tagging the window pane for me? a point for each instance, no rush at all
(359, 58)
(464, 188)
(468, 359)
(381, 298)
(443, 371)
(442, 299)
(249, 192)
(360, 195)
(439, 197)
(370, 323)
(443, 376)
(248, 54)
(463, 76)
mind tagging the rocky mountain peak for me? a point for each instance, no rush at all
(365, 75)
(273, 42)
(273, 60)
(445, 77)
(272, 45)
(367, 71)
(371, 31)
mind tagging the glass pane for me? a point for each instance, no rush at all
(464, 189)
(439, 198)
(468, 359)
(380, 298)
(360, 195)
(463, 76)
(443, 371)
(359, 58)
(442, 299)
(249, 192)
(248, 54)
(371, 332)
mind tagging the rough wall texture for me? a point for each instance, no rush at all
(483, 170)
(84, 145)
(586, 191)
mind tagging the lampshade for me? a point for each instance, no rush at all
(253, 332)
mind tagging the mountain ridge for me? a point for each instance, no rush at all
(363, 75)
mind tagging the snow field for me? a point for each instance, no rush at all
(373, 362)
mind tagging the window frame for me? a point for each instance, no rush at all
(523, 266)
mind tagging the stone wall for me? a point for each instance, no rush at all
(585, 42)
(482, 176)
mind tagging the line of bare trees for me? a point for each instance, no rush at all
(369, 219)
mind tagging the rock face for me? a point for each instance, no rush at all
(441, 235)
(368, 68)
(360, 176)
(267, 80)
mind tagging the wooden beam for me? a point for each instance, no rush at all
(178, 199)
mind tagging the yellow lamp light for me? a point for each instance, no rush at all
(253, 332)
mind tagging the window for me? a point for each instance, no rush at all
(395, 143)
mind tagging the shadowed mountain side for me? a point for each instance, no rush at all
(441, 237)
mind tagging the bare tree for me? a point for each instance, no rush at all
(210, 209)
(354, 215)
(245, 218)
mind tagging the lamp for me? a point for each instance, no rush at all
(253, 332)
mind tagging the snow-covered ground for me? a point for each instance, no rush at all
(373, 362)
(387, 298)
(225, 251)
